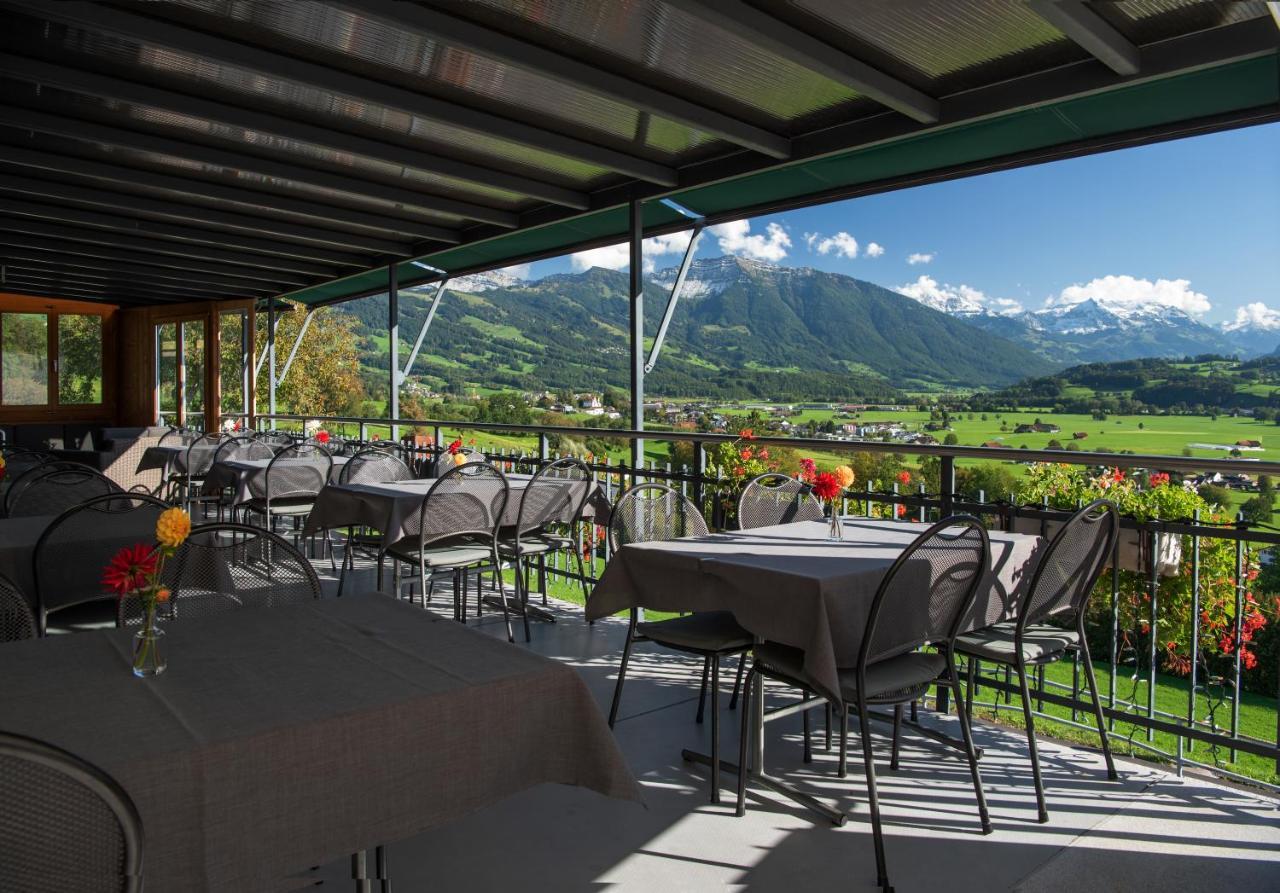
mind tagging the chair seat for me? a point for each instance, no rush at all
(1040, 642)
(712, 631)
(279, 506)
(527, 547)
(890, 681)
(444, 556)
(97, 614)
(558, 543)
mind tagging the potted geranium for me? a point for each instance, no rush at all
(732, 464)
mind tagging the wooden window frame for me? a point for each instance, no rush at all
(52, 411)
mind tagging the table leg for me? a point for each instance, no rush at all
(360, 872)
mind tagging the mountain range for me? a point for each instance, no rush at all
(1094, 330)
(748, 329)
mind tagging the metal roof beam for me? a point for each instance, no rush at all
(263, 226)
(321, 76)
(76, 128)
(110, 88)
(259, 202)
(73, 286)
(573, 72)
(136, 272)
(1092, 32)
(30, 271)
(176, 266)
(759, 27)
(157, 229)
(188, 253)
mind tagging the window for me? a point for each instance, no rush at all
(24, 342)
(79, 359)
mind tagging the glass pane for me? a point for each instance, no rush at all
(79, 359)
(167, 371)
(193, 372)
(25, 367)
(231, 364)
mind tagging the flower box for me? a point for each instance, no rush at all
(1133, 550)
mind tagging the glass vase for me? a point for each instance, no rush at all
(148, 651)
(835, 530)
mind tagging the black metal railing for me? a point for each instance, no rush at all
(1219, 694)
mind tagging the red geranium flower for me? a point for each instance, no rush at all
(825, 486)
(129, 569)
(904, 477)
(1117, 475)
(1157, 479)
(746, 454)
(807, 470)
(322, 437)
(455, 447)
(747, 434)
(902, 510)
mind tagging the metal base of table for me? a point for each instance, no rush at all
(535, 612)
(834, 816)
(932, 734)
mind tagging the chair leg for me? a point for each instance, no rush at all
(842, 770)
(897, 736)
(1042, 809)
(868, 759)
(542, 577)
(715, 729)
(827, 718)
(808, 744)
(702, 694)
(502, 591)
(582, 579)
(1087, 659)
(969, 750)
(972, 667)
(737, 682)
(622, 675)
(380, 868)
(745, 739)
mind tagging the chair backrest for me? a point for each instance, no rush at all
(775, 498)
(177, 436)
(651, 512)
(555, 495)
(59, 490)
(200, 454)
(926, 591)
(243, 448)
(1076, 556)
(222, 567)
(465, 503)
(64, 823)
(373, 467)
(276, 438)
(73, 550)
(17, 622)
(23, 468)
(297, 472)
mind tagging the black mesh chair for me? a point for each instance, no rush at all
(18, 462)
(276, 438)
(72, 552)
(456, 529)
(55, 491)
(65, 825)
(554, 498)
(1059, 591)
(921, 601)
(290, 484)
(17, 622)
(175, 436)
(222, 567)
(230, 448)
(446, 461)
(651, 512)
(775, 498)
(368, 466)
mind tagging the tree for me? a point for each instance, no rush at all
(1215, 494)
(325, 376)
(1258, 510)
(507, 408)
(951, 439)
(1054, 444)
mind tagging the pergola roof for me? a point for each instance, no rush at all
(180, 149)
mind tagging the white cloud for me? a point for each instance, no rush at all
(1254, 316)
(520, 271)
(956, 298)
(1127, 290)
(919, 258)
(736, 238)
(841, 245)
(618, 257)
(874, 249)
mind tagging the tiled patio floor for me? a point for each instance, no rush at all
(1150, 830)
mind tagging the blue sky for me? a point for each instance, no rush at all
(1194, 223)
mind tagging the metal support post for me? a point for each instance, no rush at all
(393, 341)
(637, 333)
(293, 352)
(947, 483)
(422, 333)
(246, 361)
(271, 358)
(674, 298)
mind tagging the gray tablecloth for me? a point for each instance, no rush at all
(170, 458)
(790, 584)
(236, 474)
(392, 508)
(17, 546)
(281, 738)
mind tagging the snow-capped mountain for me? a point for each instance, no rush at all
(710, 276)
(1255, 333)
(478, 282)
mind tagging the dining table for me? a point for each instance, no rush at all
(240, 475)
(281, 738)
(18, 537)
(171, 458)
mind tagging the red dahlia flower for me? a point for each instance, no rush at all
(825, 486)
(455, 447)
(130, 569)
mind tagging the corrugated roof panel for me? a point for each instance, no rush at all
(1148, 21)
(188, 72)
(363, 43)
(663, 44)
(943, 46)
